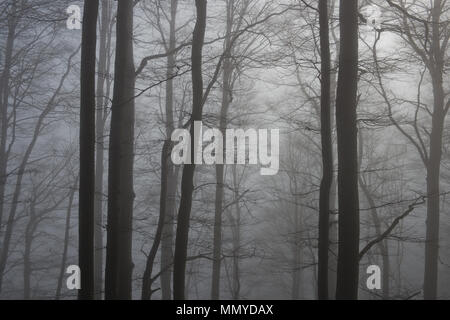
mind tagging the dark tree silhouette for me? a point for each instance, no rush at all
(119, 265)
(327, 151)
(187, 181)
(87, 150)
(346, 102)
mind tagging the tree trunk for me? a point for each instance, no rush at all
(187, 182)
(167, 237)
(434, 162)
(327, 152)
(147, 277)
(333, 241)
(218, 204)
(236, 232)
(296, 293)
(105, 21)
(172, 176)
(119, 265)
(62, 270)
(4, 96)
(347, 274)
(87, 151)
(29, 230)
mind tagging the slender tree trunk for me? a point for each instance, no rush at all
(27, 251)
(236, 231)
(297, 248)
(167, 237)
(327, 152)
(172, 176)
(218, 205)
(105, 20)
(430, 286)
(4, 96)
(87, 151)
(333, 240)
(187, 182)
(333, 224)
(147, 277)
(347, 274)
(119, 265)
(66, 242)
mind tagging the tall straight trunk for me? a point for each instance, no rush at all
(171, 175)
(430, 286)
(327, 152)
(87, 151)
(297, 248)
(218, 204)
(236, 232)
(4, 96)
(168, 235)
(347, 273)
(66, 242)
(147, 277)
(187, 180)
(333, 224)
(105, 20)
(433, 203)
(119, 265)
(27, 251)
(333, 241)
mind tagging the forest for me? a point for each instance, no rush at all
(321, 150)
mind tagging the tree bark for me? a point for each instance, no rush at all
(87, 151)
(187, 182)
(347, 274)
(119, 263)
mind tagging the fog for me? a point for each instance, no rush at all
(248, 235)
